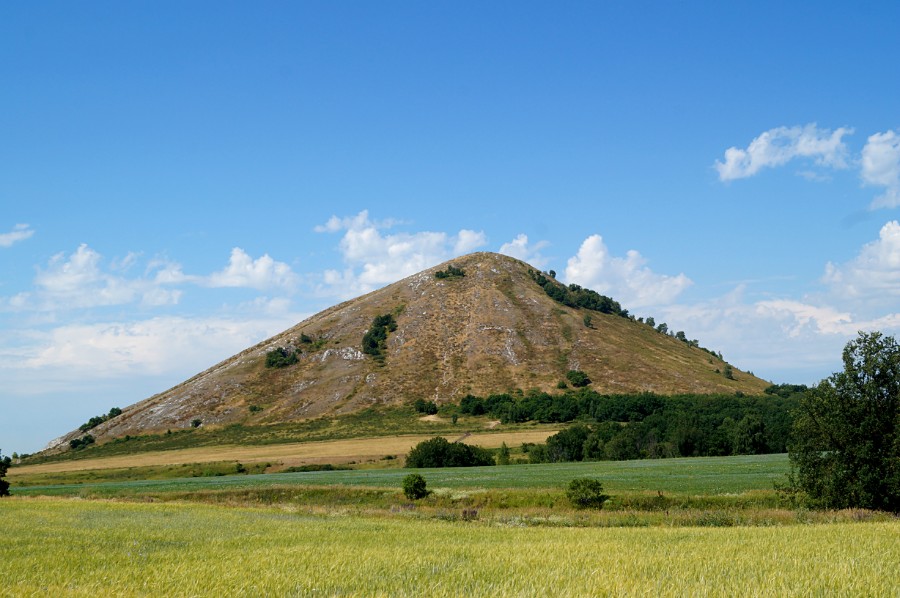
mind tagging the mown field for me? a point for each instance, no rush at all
(68, 547)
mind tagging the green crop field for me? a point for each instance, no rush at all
(65, 547)
(701, 475)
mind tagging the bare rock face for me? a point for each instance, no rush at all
(492, 330)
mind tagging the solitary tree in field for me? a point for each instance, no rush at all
(846, 446)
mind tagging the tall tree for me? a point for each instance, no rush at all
(846, 448)
(4, 465)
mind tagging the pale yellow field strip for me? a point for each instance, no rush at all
(329, 451)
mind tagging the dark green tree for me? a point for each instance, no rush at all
(503, 455)
(586, 493)
(577, 378)
(845, 449)
(438, 452)
(414, 487)
(4, 465)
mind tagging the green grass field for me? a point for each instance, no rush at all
(701, 475)
(65, 547)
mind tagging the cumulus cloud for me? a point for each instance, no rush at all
(521, 249)
(626, 279)
(875, 273)
(880, 167)
(779, 146)
(374, 258)
(82, 280)
(20, 232)
(245, 272)
(77, 281)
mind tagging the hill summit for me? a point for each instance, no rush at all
(480, 324)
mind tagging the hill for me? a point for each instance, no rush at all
(480, 324)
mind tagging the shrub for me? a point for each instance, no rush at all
(99, 419)
(577, 378)
(80, 443)
(586, 493)
(426, 407)
(281, 358)
(451, 272)
(375, 339)
(414, 487)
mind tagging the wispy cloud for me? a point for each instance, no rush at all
(20, 232)
(779, 146)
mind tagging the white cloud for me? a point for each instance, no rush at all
(874, 274)
(881, 167)
(85, 353)
(80, 280)
(20, 232)
(374, 259)
(779, 146)
(245, 272)
(520, 249)
(627, 280)
(77, 281)
(468, 241)
(783, 339)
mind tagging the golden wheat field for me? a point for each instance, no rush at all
(54, 547)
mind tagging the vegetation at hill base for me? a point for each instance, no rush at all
(618, 427)
(845, 450)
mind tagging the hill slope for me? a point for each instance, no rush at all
(492, 330)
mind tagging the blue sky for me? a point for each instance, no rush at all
(181, 180)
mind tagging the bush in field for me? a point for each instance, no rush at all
(586, 493)
(414, 487)
(438, 452)
(4, 465)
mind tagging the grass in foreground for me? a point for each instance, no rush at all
(85, 548)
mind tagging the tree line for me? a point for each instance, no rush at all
(634, 426)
